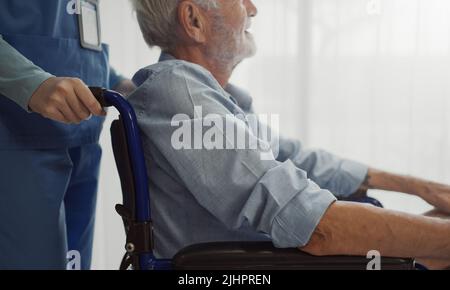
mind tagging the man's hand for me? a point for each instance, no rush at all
(67, 100)
(435, 194)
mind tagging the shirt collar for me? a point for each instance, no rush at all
(238, 95)
(166, 56)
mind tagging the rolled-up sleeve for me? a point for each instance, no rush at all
(341, 176)
(301, 205)
(235, 186)
(19, 77)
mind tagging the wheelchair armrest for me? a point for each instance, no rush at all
(264, 256)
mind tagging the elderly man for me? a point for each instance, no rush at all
(219, 193)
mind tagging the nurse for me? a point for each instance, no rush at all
(50, 51)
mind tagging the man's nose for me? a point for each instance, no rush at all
(252, 11)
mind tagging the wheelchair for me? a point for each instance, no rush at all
(136, 214)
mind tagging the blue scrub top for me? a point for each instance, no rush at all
(45, 33)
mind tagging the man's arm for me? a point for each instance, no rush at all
(434, 193)
(356, 229)
(341, 176)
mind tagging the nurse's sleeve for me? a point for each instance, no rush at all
(235, 186)
(341, 176)
(19, 77)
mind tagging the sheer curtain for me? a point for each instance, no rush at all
(365, 79)
(378, 86)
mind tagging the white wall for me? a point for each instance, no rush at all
(366, 79)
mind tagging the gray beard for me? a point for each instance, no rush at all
(226, 50)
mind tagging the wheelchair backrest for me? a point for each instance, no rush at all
(124, 168)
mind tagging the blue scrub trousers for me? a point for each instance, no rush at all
(47, 206)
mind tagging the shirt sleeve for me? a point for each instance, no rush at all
(19, 77)
(235, 185)
(342, 177)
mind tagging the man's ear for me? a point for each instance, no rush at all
(192, 21)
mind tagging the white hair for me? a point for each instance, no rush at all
(158, 20)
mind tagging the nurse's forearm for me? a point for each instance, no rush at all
(356, 229)
(19, 77)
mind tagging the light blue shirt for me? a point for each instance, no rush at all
(201, 195)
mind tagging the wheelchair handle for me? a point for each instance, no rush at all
(99, 94)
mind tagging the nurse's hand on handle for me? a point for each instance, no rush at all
(66, 100)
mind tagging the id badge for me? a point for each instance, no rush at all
(89, 22)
